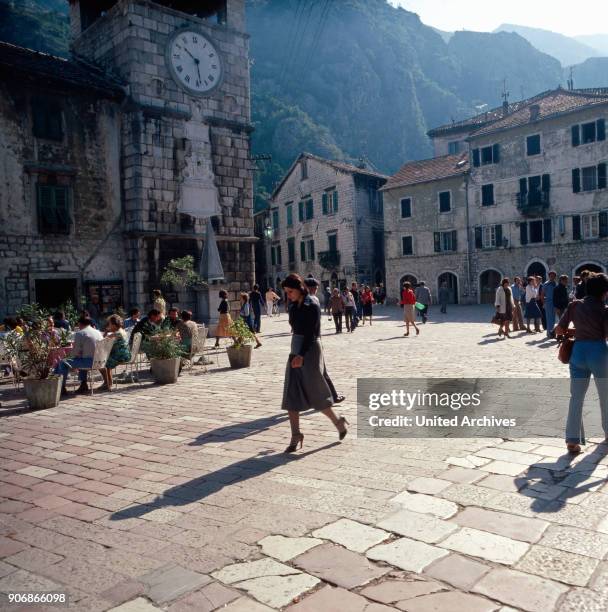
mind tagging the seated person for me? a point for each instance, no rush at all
(187, 329)
(147, 326)
(60, 321)
(82, 354)
(171, 320)
(120, 352)
(133, 318)
(53, 333)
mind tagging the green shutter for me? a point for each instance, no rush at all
(576, 180)
(498, 234)
(523, 233)
(324, 203)
(302, 250)
(454, 240)
(437, 241)
(495, 153)
(336, 201)
(301, 211)
(478, 238)
(601, 175)
(547, 230)
(476, 158)
(601, 129)
(576, 135)
(279, 256)
(603, 217)
(312, 250)
(576, 227)
(273, 256)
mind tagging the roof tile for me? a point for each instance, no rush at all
(427, 170)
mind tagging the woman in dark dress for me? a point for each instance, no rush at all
(305, 386)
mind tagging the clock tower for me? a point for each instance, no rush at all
(185, 136)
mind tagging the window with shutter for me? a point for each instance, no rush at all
(332, 242)
(300, 211)
(536, 231)
(476, 158)
(576, 180)
(406, 245)
(53, 209)
(576, 135)
(275, 219)
(311, 250)
(454, 240)
(324, 198)
(279, 256)
(589, 178)
(601, 129)
(336, 200)
(273, 256)
(478, 238)
(576, 227)
(406, 208)
(533, 145)
(523, 233)
(546, 182)
(588, 132)
(303, 250)
(309, 209)
(445, 203)
(498, 234)
(547, 230)
(437, 242)
(289, 215)
(291, 250)
(495, 154)
(590, 226)
(487, 156)
(603, 224)
(601, 176)
(487, 195)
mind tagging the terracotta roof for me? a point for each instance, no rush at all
(338, 165)
(42, 68)
(427, 170)
(477, 122)
(550, 104)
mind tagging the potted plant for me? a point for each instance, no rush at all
(165, 352)
(33, 354)
(239, 354)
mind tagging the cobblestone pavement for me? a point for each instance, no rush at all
(180, 498)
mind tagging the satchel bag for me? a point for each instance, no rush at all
(566, 343)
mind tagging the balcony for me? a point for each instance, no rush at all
(533, 203)
(329, 260)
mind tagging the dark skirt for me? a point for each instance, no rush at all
(306, 387)
(532, 310)
(367, 310)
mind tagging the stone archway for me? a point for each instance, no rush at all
(537, 268)
(591, 266)
(408, 278)
(451, 281)
(489, 281)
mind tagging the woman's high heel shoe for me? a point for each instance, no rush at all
(295, 440)
(342, 434)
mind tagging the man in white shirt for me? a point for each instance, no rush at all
(81, 355)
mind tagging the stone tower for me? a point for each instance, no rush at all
(185, 130)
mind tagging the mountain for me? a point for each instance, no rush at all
(591, 73)
(567, 50)
(597, 41)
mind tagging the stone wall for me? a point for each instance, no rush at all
(87, 160)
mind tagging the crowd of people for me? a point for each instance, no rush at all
(539, 303)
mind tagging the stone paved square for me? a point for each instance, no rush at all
(203, 488)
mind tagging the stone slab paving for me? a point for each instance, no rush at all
(179, 498)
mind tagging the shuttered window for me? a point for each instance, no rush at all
(407, 246)
(445, 241)
(445, 201)
(406, 208)
(487, 195)
(53, 204)
(586, 133)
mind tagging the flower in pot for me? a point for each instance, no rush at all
(164, 351)
(239, 354)
(34, 354)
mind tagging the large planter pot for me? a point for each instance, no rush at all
(240, 356)
(44, 393)
(165, 371)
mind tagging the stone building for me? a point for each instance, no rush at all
(326, 220)
(534, 197)
(115, 159)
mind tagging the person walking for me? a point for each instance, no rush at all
(367, 299)
(504, 307)
(408, 300)
(561, 298)
(247, 316)
(377, 293)
(548, 291)
(357, 298)
(327, 300)
(518, 293)
(305, 387)
(532, 309)
(349, 310)
(257, 304)
(336, 307)
(312, 284)
(589, 356)
(271, 298)
(443, 295)
(225, 320)
(423, 296)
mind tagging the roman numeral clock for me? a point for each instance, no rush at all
(194, 62)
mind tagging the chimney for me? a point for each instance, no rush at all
(534, 112)
(505, 108)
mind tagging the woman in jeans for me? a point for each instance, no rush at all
(532, 309)
(589, 356)
(349, 309)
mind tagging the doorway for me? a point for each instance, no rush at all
(54, 292)
(536, 268)
(489, 281)
(588, 266)
(451, 280)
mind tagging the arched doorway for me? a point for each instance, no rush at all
(537, 268)
(334, 281)
(408, 278)
(451, 280)
(592, 267)
(489, 281)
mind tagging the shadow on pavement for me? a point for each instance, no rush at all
(546, 475)
(203, 486)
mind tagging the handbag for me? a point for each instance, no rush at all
(496, 320)
(566, 342)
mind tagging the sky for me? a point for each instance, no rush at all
(563, 16)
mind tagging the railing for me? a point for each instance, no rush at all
(533, 201)
(329, 259)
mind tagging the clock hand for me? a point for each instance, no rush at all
(190, 54)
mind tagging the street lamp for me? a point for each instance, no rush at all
(268, 231)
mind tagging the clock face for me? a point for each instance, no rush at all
(194, 62)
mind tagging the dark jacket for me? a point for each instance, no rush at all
(560, 297)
